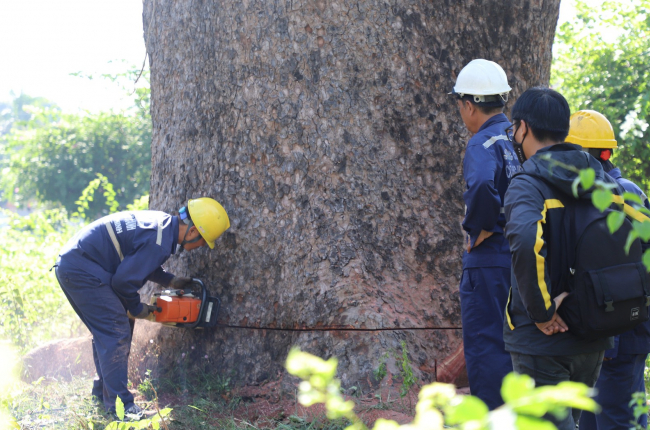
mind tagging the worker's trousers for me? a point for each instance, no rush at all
(619, 378)
(105, 316)
(483, 298)
(552, 370)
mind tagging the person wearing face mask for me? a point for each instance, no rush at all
(481, 91)
(623, 368)
(102, 267)
(538, 339)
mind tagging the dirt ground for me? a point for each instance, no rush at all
(199, 404)
(266, 406)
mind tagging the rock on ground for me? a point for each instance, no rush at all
(60, 359)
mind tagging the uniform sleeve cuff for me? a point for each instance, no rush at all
(136, 310)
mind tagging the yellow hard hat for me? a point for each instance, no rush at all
(590, 129)
(209, 217)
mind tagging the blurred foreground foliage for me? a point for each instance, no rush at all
(440, 407)
(8, 384)
(601, 62)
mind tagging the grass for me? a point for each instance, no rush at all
(57, 405)
(65, 405)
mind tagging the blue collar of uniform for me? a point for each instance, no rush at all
(615, 173)
(500, 117)
(174, 233)
(560, 147)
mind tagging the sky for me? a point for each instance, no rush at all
(43, 41)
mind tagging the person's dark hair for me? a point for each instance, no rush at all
(489, 108)
(545, 111)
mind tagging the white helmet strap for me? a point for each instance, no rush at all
(486, 99)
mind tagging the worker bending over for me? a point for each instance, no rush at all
(103, 266)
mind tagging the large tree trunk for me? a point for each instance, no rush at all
(325, 130)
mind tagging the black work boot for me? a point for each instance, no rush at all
(98, 390)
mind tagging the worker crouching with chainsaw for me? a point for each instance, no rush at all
(103, 266)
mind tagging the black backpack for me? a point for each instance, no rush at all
(609, 289)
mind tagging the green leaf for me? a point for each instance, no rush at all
(587, 177)
(383, 424)
(530, 423)
(643, 229)
(615, 220)
(515, 386)
(631, 197)
(194, 407)
(465, 408)
(555, 400)
(602, 199)
(574, 186)
(119, 408)
(630, 240)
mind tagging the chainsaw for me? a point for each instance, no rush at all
(189, 308)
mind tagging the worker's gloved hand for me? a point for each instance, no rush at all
(179, 282)
(146, 310)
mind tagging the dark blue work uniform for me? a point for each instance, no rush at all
(623, 367)
(488, 165)
(101, 275)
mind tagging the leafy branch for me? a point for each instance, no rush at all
(439, 405)
(87, 196)
(601, 61)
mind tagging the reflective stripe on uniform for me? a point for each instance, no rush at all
(116, 244)
(539, 243)
(491, 141)
(159, 235)
(512, 327)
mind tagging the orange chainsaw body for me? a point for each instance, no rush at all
(175, 309)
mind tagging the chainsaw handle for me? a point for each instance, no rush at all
(153, 308)
(204, 297)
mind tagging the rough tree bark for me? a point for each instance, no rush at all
(325, 129)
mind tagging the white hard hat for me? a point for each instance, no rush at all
(482, 78)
